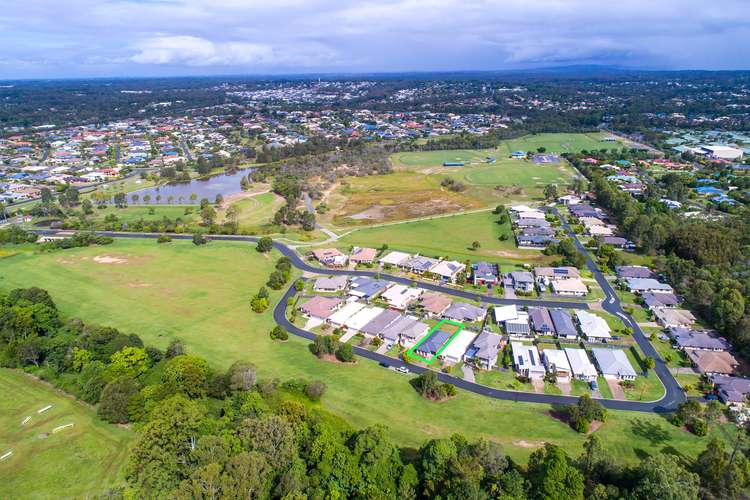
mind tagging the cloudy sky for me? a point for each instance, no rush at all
(83, 38)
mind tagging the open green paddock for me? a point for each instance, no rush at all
(201, 295)
(83, 460)
(448, 236)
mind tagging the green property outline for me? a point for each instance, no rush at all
(410, 353)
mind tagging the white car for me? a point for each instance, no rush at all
(403, 369)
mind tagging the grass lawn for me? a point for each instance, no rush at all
(550, 388)
(579, 388)
(133, 213)
(200, 295)
(122, 186)
(450, 236)
(561, 143)
(604, 389)
(256, 212)
(501, 379)
(82, 461)
(647, 388)
(676, 357)
(392, 197)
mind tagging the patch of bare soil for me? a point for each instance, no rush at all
(139, 285)
(110, 259)
(594, 426)
(528, 444)
(331, 358)
(372, 213)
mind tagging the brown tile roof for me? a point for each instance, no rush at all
(713, 362)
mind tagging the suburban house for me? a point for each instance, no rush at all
(614, 363)
(419, 264)
(394, 258)
(625, 272)
(320, 307)
(362, 317)
(541, 321)
(432, 345)
(367, 288)
(713, 362)
(349, 309)
(485, 349)
(599, 231)
(518, 325)
(700, 340)
(400, 296)
(547, 274)
(732, 391)
(448, 270)
(330, 285)
(380, 322)
(362, 255)
(504, 313)
(580, 364)
(455, 351)
(435, 304)
(570, 287)
(569, 199)
(557, 362)
(521, 281)
(330, 257)
(461, 311)
(485, 273)
(593, 327)
(564, 326)
(674, 318)
(644, 285)
(527, 240)
(533, 222)
(615, 241)
(406, 330)
(654, 301)
(526, 361)
(591, 221)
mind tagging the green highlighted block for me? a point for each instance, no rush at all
(412, 354)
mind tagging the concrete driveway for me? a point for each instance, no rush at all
(468, 373)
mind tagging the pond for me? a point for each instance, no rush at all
(180, 192)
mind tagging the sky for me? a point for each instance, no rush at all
(106, 38)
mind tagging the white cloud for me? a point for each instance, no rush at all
(130, 36)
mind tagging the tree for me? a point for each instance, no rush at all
(649, 363)
(273, 436)
(121, 200)
(199, 239)
(279, 333)
(345, 353)
(208, 215)
(161, 456)
(128, 362)
(662, 476)
(265, 244)
(277, 280)
(232, 214)
(174, 349)
(720, 473)
(115, 399)
(187, 374)
(241, 376)
(247, 475)
(315, 390)
(550, 192)
(193, 197)
(475, 245)
(219, 199)
(552, 476)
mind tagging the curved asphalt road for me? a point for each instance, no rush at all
(668, 403)
(674, 394)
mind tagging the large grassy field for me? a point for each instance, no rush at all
(81, 461)
(450, 236)
(414, 189)
(200, 294)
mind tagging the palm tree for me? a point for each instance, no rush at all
(158, 198)
(180, 200)
(193, 197)
(146, 198)
(170, 199)
(135, 198)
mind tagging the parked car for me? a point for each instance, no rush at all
(403, 369)
(384, 364)
(594, 386)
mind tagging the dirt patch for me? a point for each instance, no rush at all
(594, 426)
(139, 285)
(110, 259)
(372, 213)
(331, 358)
(522, 443)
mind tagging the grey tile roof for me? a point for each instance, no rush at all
(380, 322)
(435, 341)
(541, 320)
(563, 323)
(462, 311)
(694, 339)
